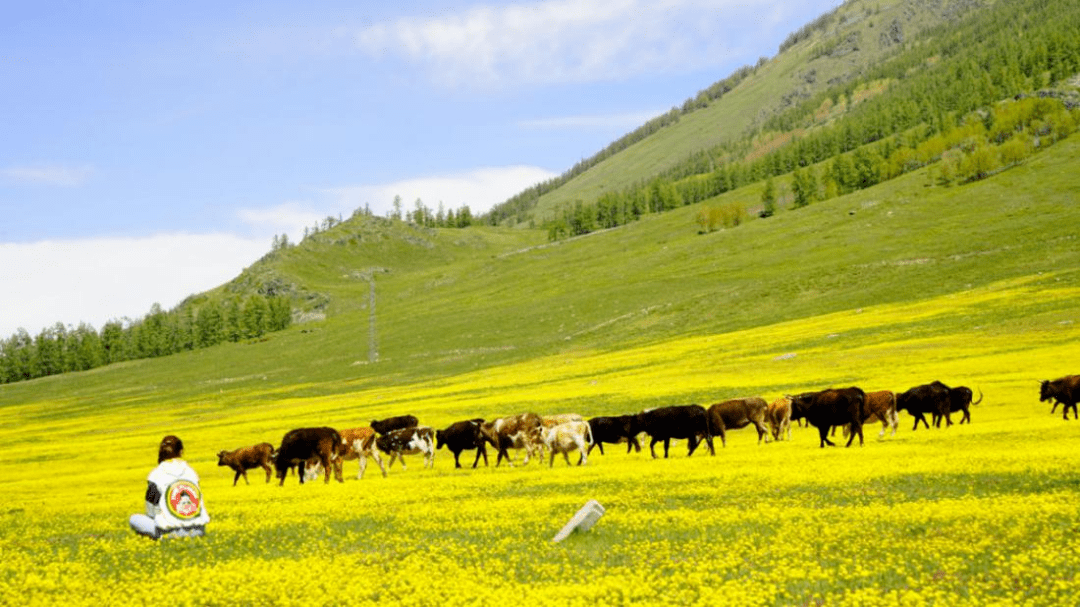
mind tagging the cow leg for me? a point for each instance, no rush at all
(692, 443)
(326, 464)
(920, 417)
(457, 462)
(237, 477)
(762, 433)
(378, 460)
(551, 462)
(824, 432)
(723, 435)
(652, 446)
(266, 466)
(667, 444)
(855, 428)
(363, 467)
(966, 417)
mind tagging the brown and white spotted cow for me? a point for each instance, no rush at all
(515, 432)
(359, 443)
(566, 437)
(779, 416)
(408, 441)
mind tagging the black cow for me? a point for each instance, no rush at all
(930, 398)
(832, 407)
(1064, 391)
(382, 426)
(738, 413)
(302, 444)
(959, 400)
(615, 430)
(460, 436)
(681, 421)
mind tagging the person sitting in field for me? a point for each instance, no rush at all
(174, 501)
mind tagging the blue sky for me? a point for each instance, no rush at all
(150, 150)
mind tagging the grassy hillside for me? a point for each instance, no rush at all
(830, 53)
(455, 301)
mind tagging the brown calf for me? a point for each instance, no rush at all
(779, 416)
(246, 458)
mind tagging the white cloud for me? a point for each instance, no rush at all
(96, 280)
(47, 174)
(480, 189)
(570, 40)
(287, 218)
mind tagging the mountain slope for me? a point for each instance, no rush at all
(908, 57)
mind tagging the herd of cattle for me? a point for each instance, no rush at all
(314, 451)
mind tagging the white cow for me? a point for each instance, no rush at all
(566, 437)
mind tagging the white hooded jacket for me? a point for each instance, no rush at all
(173, 497)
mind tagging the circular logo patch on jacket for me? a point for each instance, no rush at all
(183, 500)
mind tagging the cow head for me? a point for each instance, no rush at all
(221, 458)
(488, 433)
(439, 438)
(1045, 393)
(800, 403)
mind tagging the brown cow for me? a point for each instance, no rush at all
(515, 432)
(833, 407)
(880, 407)
(246, 458)
(779, 416)
(302, 444)
(738, 413)
(1064, 390)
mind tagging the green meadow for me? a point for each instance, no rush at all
(887, 288)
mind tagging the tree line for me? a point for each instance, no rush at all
(61, 349)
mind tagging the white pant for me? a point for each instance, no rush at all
(144, 525)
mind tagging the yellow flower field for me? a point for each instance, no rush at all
(979, 514)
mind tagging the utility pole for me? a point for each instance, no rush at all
(373, 345)
(373, 342)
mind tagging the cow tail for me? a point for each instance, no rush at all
(588, 431)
